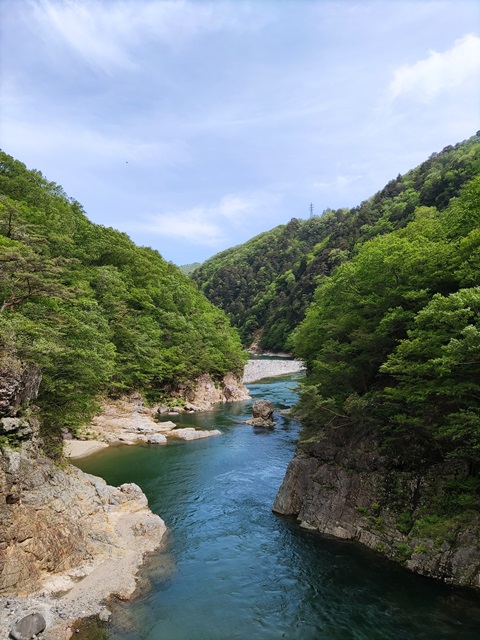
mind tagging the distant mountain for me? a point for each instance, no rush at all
(187, 269)
(266, 284)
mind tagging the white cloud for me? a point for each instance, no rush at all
(208, 225)
(105, 34)
(186, 225)
(455, 68)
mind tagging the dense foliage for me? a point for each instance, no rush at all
(96, 313)
(266, 284)
(254, 282)
(392, 339)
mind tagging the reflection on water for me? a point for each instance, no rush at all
(234, 570)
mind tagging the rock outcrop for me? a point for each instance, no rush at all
(342, 486)
(53, 520)
(19, 384)
(203, 392)
(69, 536)
(262, 414)
(128, 421)
(67, 539)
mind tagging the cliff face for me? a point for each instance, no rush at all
(67, 539)
(19, 383)
(342, 486)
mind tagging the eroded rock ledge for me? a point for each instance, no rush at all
(204, 392)
(68, 540)
(129, 421)
(342, 486)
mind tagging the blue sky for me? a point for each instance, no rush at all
(193, 126)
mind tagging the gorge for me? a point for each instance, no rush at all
(232, 568)
(102, 339)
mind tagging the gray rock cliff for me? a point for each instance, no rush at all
(19, 384)
(204, 391)
(341, 485)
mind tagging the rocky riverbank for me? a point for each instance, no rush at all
(129, 421)
(341, 485)
(68, 540)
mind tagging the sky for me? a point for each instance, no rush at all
(193, 125)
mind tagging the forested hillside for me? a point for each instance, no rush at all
(266, 284)
(96, 313)
(390, 406)
(392, 340)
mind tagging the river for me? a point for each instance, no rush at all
(232, 569)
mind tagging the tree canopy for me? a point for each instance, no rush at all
(392, 340)
(266, 284)
(98, 314)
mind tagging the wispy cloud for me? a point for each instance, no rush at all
(454, 68)
(209, 225)
(189, 225)
(106, 34)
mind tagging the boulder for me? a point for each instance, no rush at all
(262, 414)
(162, 409)
(157, 438)
(28, 627)
(191, 407)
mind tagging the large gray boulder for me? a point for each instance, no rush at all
(262, 414)
(28, 627)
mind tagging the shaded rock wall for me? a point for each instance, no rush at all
(342, 486)
(19, 383)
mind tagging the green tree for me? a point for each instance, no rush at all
(437, 389)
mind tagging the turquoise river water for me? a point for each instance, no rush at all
(232, 569)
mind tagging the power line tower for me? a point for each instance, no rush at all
(311, 210)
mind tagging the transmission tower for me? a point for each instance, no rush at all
(311, 210)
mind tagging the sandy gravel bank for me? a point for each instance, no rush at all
(259, 369)
(82, 448)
